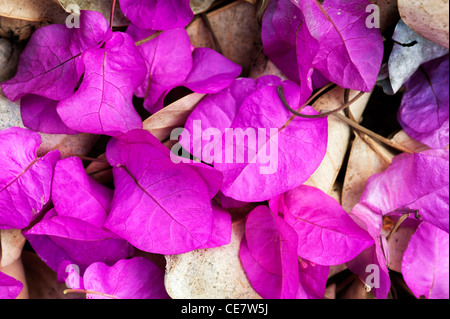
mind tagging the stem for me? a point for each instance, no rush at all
(345, 119)
(399, 222)
(322, 115)
(86, 158)
(83, 291)
(147, 39)
(372, 134)
(113, 8)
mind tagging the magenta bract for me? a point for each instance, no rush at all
(25, 179)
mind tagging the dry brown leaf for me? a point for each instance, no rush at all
(11, 245)
(388, 13)
(338, 137)
(103, 6)
(68, 145)
(42, 281)
(368, 157)
(214, 273)
(32, 10)
(236, 29)
(356, 290)
(406, 141)
(173, 116)
(428, 18)
(9, 59)
(16, 271)
(398, 242)
(263, 66)
(363, 162)
(18, 19)
(200, 6)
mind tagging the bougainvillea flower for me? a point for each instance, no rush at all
(73, 231)
(172, 63)
(424, 112)
(158, 206)
(103, 104)
(168, 58)
(413, 182)
(25, 179)
(39, 114)
(135, 278)
(158, 14)
(326, 234)
(350, 53)
(323, 38)
(425, 263)
(10, 287)
(260, 149)
(268, 253)
(76, 194)
(47, 67)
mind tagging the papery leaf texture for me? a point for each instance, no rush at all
(248, 135)
(25, 179)
(10, 287)
(268, 253)
(425, 263)
(326, 234)
(49, 68)
(424, 111)
(135, 278)
(158, 14)
(103, 104)
(413, 182)
(158, 206)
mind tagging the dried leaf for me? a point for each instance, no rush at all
(20, 18)
(200, 6)
(338, 137)
(397, 246)
(32, 10)
(210, 273)
(173, 116)
(236, 30)
(364, 161)
(9, 58)
(430, 20)
(12, 242)
(42, 281)
(388, 13)
(103, 6)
